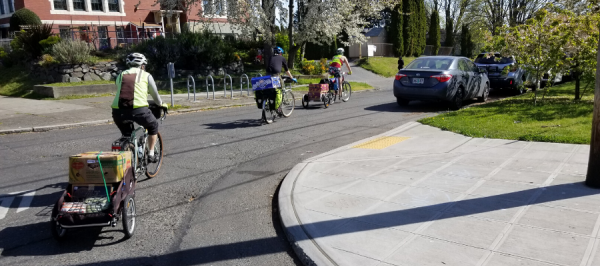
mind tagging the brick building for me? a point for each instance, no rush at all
(113, 22)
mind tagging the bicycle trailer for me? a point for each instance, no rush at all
(100, 192)
(318, 93)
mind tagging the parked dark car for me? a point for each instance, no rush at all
(449, 79)
(503, 71)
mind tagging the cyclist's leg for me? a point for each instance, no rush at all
(119, 118)
(146, 119)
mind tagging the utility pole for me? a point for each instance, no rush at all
(593, 173)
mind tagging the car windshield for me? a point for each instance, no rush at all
(493, 59)
(430, 63)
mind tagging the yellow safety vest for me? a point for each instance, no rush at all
(132, 89)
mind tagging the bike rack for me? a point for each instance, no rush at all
(242, 84)
(213, 86)
(188, 87)
(225, 85)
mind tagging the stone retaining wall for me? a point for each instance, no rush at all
(77, 73)
(110, 70)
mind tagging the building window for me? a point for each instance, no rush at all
(11, 6)
(97, 5)
(113, 6)
(79, 5)
(120, 32)
(2, 7)
(65, 32)
(213, 7)
(60, 4)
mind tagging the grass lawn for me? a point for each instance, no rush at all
(15, 82)
(555, 119)
(384, 66)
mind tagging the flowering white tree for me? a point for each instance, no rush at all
(317, 21)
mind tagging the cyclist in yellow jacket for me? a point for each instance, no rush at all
(335, 68)
(131, 101)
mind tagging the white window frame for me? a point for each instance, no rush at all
(223, 12)
(7, 13)
(88, 11)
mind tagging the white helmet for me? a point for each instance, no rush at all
(340, 51)
(136, 59)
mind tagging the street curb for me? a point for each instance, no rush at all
(307, 249)
(48, 128)
(107, 121)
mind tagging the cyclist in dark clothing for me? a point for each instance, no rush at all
(274, 70)
(277, 62)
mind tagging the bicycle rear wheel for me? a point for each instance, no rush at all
(346, 91)
(268, 115)
(153, 168)
(288, 103)
(135, 164)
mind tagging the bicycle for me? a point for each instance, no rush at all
(136, 144)
(288, 102)
(346, 89)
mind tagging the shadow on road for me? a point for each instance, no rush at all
(14, 241)
(235, 124)
(270, 245)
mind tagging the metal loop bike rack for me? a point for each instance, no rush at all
(225, 85)
(242, 84)
(188, 87)
(213, 86)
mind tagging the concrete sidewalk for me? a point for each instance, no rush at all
(25, 115)
(417, 195)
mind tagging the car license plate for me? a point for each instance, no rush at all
(418, 80)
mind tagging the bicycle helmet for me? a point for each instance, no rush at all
(340, 51)
(136, 59)
(278, 50)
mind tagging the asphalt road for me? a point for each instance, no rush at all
(214, 201)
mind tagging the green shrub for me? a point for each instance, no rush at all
(312, 67)
(22, 17)
(16, 57)
(72, 52)
(30, 39)
(48, 43)
(47, 60)
(189, 50)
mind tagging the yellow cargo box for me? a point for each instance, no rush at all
(84, 168)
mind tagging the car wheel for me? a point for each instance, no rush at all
(402, 102)
(485, 94)
(457, 101)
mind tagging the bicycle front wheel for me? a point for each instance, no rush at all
(267, 113)
(346, 91)
(153, 168)
(288, 103)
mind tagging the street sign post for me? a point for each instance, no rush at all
(171, 70)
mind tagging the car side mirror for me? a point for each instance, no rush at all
(481, 70)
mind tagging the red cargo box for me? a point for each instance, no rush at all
(316, 90)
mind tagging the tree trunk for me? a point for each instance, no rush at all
(291, 55)
(269, 38)
(593, 173)
(577, 78)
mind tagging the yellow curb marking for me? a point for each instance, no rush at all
(380, 143)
